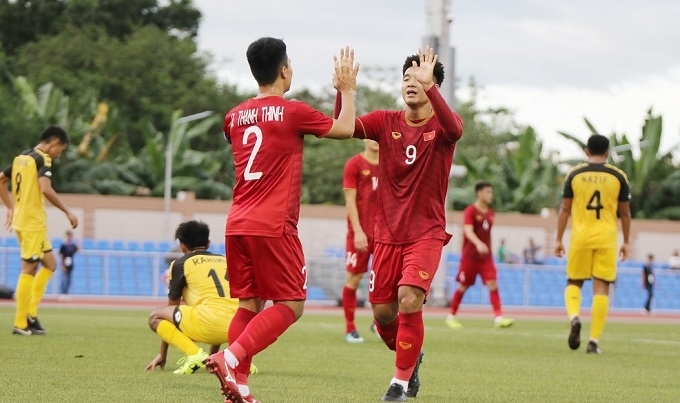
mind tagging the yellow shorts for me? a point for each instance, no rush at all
(202, 327)
(584, 264)
(34, 245)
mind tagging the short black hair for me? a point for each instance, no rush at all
(438, 68)
(597, 144)
(193, 234)
(266, 56)
(479, 185)
(54, 132)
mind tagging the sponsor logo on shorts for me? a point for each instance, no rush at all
(405, 345)
(423, 274)
(396, 135)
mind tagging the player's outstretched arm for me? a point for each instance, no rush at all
(424, 74)
(53, 197)
(345, 81)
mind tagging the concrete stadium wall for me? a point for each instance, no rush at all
(321, 226)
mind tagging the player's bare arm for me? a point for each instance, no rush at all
(562, 218)
(345, 81)
(53, 197)
(360, 238)
(624, 213)
(424, 73)
(4, 195)
(470, 234)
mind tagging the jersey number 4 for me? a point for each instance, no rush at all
(595, 204)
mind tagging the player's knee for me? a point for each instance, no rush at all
(410, 299)
(154, 320)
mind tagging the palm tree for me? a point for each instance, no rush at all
(652, 175)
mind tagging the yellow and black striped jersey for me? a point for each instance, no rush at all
(595, 190)
(200, 279)
(29, 202)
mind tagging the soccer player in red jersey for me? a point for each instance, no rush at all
(476, 256)
(265, 257)
(416, 152)
(359, 182)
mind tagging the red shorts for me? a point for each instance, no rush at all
(357, 262)
(272, 269)
(413, 264)
(469, 269)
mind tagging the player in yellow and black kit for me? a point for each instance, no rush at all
(595, 193)
(200, 308)
(30, 175)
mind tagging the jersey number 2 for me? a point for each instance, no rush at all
(248, 175)
(595, 204)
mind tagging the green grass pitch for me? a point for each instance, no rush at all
(98, 355)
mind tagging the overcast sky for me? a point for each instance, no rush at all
(551, 62)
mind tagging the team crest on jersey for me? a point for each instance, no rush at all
(479, 217)
(405, 345)
(396, 135)
(428, 136)
(366, 172)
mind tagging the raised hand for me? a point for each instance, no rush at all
(345, 75)
(424, 73)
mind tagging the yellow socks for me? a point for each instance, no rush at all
(599, 316)
(572, 300)
(171, 335)
(22, 296)
(38, 290)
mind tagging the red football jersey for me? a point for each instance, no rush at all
(481, 225)
(266, 136)
(361, 175)
(415, 160)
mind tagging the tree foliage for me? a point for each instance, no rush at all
(26, 21)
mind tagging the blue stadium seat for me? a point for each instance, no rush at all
(149, 246)
(315, 293)
(334, 251)
(88, 243)
(117, 245)
(102, 244)
(11, 242)
(164, 246)
(133, 245)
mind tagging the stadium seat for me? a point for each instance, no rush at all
(149, 246)
(118, 245)
(102, 244)
(88, 243)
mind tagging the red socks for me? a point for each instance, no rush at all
(495, 299)
(261, 331)
(409, 343)
(238, 324)
(455, 301)
(349, 306)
